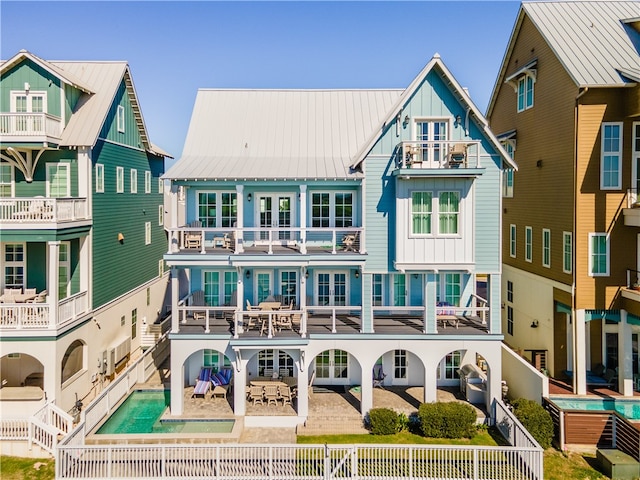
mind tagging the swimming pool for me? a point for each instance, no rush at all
(141, 412)
(628, 408)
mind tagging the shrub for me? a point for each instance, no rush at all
(447, 420)
(383, 421)
(535, 419)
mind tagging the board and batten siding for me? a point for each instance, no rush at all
(131, 134)
(486, 225)
(119, 268)
(39, 80)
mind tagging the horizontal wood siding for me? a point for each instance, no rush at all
(36, 265)
(486, 199)
(588, 428)
(543, 195)
(131, 135)
(39, 81)
(118, 268)
(380, 215)
(38, 187)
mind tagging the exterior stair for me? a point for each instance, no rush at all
(332, 425)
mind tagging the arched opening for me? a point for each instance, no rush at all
(462, 376)
(272, 384)
(22, 377)
(398, 381)
(208, 383)
(336, 378)
(73, 360)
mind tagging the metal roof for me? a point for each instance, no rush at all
(279, 134)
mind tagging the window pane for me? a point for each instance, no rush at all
(212, 288)
(421, 212)
(449, 212)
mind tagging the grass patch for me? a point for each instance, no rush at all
(19, 468)
(481, 438)
(558, 466)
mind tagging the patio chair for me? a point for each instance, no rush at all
(283, 371)
(221, 383)
(457, 154)
(256, 395)
(197, 300)
(285, 320)
(42, 297)
(268, 372)
(284, 394)
(271, 394)
(203, 382)
(378, 376)
(193, 239)
(252, 317)
(350, 242)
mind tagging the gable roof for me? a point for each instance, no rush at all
(100, 82)
(434, 64)
(279, 134)
(595, 41)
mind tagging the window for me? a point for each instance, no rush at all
(451, 365)
(449, 206)
(509, 291)
(430, 135)
(14, 265)
(6, 180)
(58, 180)
(265, 361)
(546, 247)
(507, 174)
(399, 290)
(134, 181)
(611, 156)
(230, 287)
(217, 293)
(147, 181)
(452, 288)
(148, 296)
(64, 269)
(160, 215)
(377, 289)
(510, 320)
(120, 118)
(160, 186)
(420, 213)
(512, 241)
(147, 233)
(567, 252)
(134, 323)
(99, 178)
(217, 209)
(332, 209)
(528, 244)
(160, 268)
(598, 254)
(30, 102)
(288, 287)
(73, 360)
(525, 93)
(400, 364)
(119, 179)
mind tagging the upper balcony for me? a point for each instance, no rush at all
(438, 157)
(632, 211)
(41, 212)
(30, 128)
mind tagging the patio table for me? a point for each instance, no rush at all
(19, 298)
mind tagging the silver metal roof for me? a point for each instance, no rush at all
(279, 134)
(589, 38)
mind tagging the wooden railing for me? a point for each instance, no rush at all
(437, 154)
(43, 210)
(73, 306)
(36, 316)
(30, 125)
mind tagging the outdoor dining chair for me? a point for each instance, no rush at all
(256, 395)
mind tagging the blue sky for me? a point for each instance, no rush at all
(174, 48)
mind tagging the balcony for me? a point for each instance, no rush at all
(30, 127)
(21, 317)
(447, 156)
(632, 211)
(41, 212)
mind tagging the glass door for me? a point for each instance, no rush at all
(264, 286)
(428, 133)
(275, 211)
(399, 290)
(331, 288)
(332, 368)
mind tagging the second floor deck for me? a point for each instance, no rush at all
(41, 212)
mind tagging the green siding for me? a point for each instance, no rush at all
(75, 266)
(39, 80)
(131, 135)
(71, 96)
(119, 268)
(36, 266)
(38, 187)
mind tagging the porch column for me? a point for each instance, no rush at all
(303, 302)
(367, 316)
(240, 220)
(625, 357)
(237, 318)
(430, 382)
(85, 265)
(239, 384)
(430, 297)
(493, 294)
(52, 281)
(579, 347)
(177, 385)
(174, 237)
(175, 293)
(366, 390)
(302, 373)
(303, 219)
(494, 376)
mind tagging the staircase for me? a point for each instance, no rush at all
(332, 425)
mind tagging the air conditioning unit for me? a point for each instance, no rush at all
(117, 354)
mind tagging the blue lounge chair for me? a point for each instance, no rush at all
(203, 382)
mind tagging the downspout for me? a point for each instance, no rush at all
(574, 239)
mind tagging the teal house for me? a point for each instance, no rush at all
(337, 238)
(81, 229)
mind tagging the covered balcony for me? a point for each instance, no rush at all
(631, 212)
(37, 212)
(438, 155)
(30, 127)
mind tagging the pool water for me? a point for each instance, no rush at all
(141, 413)
(627, 408)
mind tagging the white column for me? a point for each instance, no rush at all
(175, 294)
(625, 356)
(174, 237)
(494, 377)
(303, 389)
(240, 221)
(177, 385)
(366, 390)
(52, 281)
(430, 382)
(495, 306)
(303, 302)
(239, 384)
(430, 296)
(303, 219)
(237, 318)
(579, 347)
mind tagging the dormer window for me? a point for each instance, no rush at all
(523, 81)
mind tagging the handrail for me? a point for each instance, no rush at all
(438, 154)
(30, 124)
(43, 210)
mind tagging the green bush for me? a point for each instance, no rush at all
(383, 421)
(447, 420)
(535, 419)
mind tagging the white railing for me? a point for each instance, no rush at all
(511, 428)
(51, 414)
(294, 462)
(334, 310)
(46, 436)
(43, 210)
(632, 198)
(73, 306)
(437, 154)
(30, 125)
(24, 316)
(14, 429)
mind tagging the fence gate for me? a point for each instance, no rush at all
(339, 461)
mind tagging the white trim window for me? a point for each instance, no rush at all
(421, 207)
(99, 178)
(219, 287)
(567, 252)
(509, 291)
(451, 288)
(377, 289)
(448, 213)
(510, 320)
(120, 118)
(134, 180)
(119, 179)
(147, 233)
(611, 156)
(217, 209)
(134, 323)
(512, 240)
(528, 244)
(147, 181)
(525, 92)
(29, 102)
(7, 181)
(431, 135)
(508, 173)
(160, 215)
(58, 180)
(332, 209)
(598, 255)
(14, 265)
(546, 248)
(64, 270)
(400, 364)
(160, 186)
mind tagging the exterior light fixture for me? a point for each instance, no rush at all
(247, 274)
(121, 237)
(356, 272)
(248, 197)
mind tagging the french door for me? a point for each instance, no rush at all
(332, 368)
(31, 102)
(332, 288)
(428, 133)
(263, 285)
(275, 211)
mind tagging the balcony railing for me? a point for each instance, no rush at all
(438, 154)
(30, 125)
(36, 316)
(633, 279)
(289, 239)
(43, 210)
